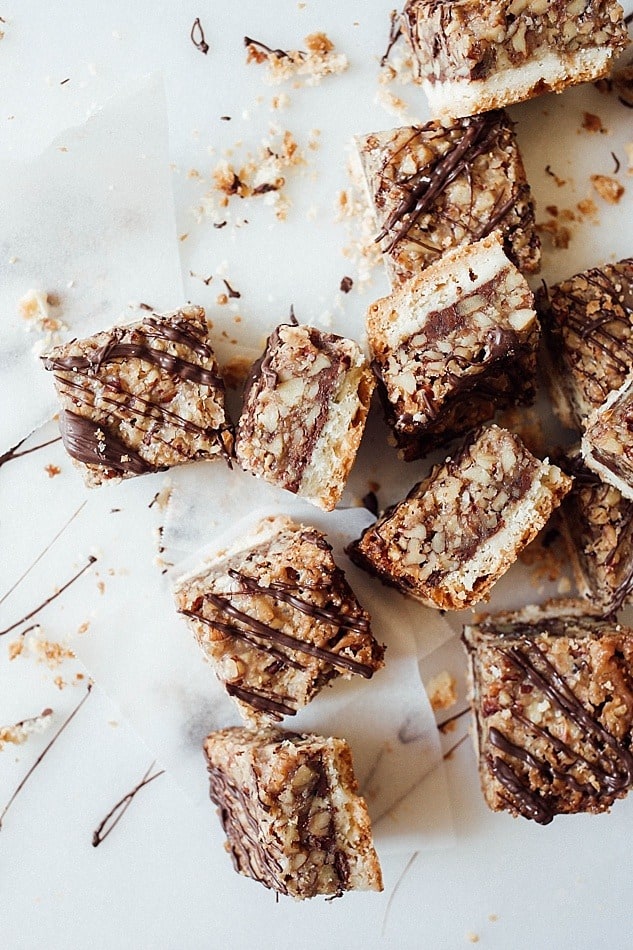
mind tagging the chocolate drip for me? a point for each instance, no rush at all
(282, 592)
(281, 658)
(113, 350)
(480, 134)
(90, 443)
(179, 332)
(275, 707)
(294, 643)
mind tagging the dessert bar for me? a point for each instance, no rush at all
(304, 413)
(291, 813)
(597, 525)
(453, 345)
(458, 531)
(472, 56)
(552, 696)
(438, 186)
(607, 444)
(588, 327)
(277, 619)
(142, 397)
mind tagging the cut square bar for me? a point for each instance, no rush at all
(304, 413)
(291, 813)
(552, 697)
(438, 186)
(458, 531)
(453, 345)
(597, 524)
(607, 444)
(277, 619)
(472, 56)
(588, 327)
(142, 397)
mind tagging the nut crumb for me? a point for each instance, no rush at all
(472, 937)
(317, 61)
(442, 691)
(592, 123)
(52, 470)
(608, 188)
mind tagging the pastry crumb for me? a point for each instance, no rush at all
(318, 60)
(609, 189)
(20, 732)
(592, 123)
(472, 937)
(442, 691)
(52, 470)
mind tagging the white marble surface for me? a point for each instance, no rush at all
(162, 880)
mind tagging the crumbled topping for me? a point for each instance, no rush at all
(608, 188)
(262, 174)
(442, 691)
(317, 61)
(20, 732)
(354, 211)
(39, 310)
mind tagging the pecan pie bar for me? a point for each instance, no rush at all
(552, 696)
(304, 413)
(277, 619)
(453, 345)
(289, 807)
(588, 327)
(607, 444)
(472, 56)
(142, 397)
(458, 531)
(442, 185)
(597, 525)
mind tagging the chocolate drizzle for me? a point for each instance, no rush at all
(283, 592)
(611, 765)
(116, 813)
(91, 443)
(266, 632)
(480, 134)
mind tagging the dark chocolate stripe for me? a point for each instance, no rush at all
(235, 631)
(89, 442)
(179, 332)
(262, 701)
(301, 646)
(283, 592)
(182, 369)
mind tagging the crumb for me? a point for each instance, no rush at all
(262, 174)
(51, 653)
(442, 691)
(493, 918)
(35, 307)
(16, 648)
(52, 470)
(608, 188)
(20, 732)
(282, 101)
(588, 208)
(101, 587)
(59, 682)
(162, 497)
(559, 234)
(183, 237)
(222, 300)
(353, 209)
(561, 182)
(346, 284)
(317, 61)
(628, 148)
(395, 106)
(592, 123)
(473, 938)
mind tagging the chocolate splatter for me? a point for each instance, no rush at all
(15, 454)
(116, 813)
(395, 32)
(234, 294)
(43, 754)
(198, 38)
(91, 560)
